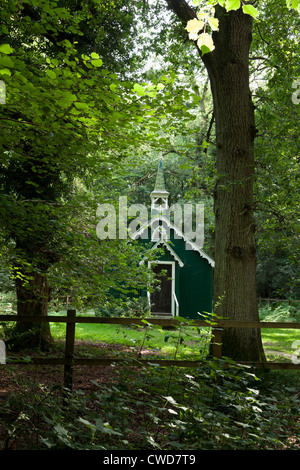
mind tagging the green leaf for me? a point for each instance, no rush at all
(66, 99)
(97, 62)
(173, 412)
(250, 10)
(295, 4)
(214, 23)
(194, 26)
(205, 43)
(170, 400)
(233, 4)
(6, 61)
(139, 90)
(6, 49)
(51, 74)
(80, 105)
(5, 72)
(87, 423)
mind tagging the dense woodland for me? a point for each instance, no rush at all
(95, 93)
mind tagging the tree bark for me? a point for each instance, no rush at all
(235, 295)
(33, 294)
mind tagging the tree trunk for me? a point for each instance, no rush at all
(33, 295)
(235, 252)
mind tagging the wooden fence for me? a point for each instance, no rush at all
(69, 361)
(269, 301)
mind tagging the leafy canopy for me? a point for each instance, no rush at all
(199, 28)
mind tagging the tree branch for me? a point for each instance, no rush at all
(182, 10)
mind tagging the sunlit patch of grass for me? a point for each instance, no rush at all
(280, 339)
(183, 342)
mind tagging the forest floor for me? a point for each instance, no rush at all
(83, 376)
(86, 380)
(15, 378)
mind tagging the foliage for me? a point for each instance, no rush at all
(274, 65)
(199, 28)
(73, 114)
(135, 307)
(231, 409)
(69, 118)
(280, 313)
(277, 274)
(151, 408)
(277, 150)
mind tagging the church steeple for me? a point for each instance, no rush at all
(159, 196)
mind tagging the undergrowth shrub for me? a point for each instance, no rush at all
(284, 313)
(212, 407)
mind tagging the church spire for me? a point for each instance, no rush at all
(159, 197)
(160, 180)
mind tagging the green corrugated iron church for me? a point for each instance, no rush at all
(186, 286)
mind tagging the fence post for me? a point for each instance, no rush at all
(69, 350)
(216, 343)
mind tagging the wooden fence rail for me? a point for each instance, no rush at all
(69, 361)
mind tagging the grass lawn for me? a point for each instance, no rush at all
(189, 342)
(280, 343)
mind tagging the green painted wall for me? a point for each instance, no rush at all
(193, 281)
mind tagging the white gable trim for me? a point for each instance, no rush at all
(171, 251)
(178, 232)
(159, 233)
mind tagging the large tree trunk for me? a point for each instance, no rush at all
(235, 252)
(33, 295)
